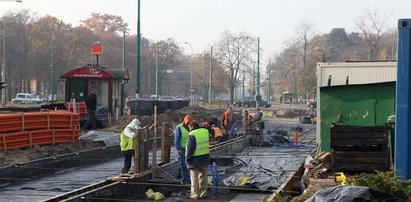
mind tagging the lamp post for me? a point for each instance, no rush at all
(3, 66)
(138, 54)
(52, 66)
(191, 74)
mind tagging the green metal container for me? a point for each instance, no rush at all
(357, 105)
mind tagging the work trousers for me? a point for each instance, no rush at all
(199, 182)
(183, 166)
(91, 119)
(128, 155)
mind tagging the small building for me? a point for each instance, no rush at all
(353, 93)
(109, 84)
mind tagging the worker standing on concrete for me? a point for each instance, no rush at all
(198, 157)
(91, 104)
(180, 141)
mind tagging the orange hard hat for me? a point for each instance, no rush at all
(187, 119)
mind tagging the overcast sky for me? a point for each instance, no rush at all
(201, 22)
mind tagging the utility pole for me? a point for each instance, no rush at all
(258, 96)
(204, 83)
(52, 66)
(269, 79)
(253, 83)
(138, 54)
(191, 74)
(211, 78)
(123, 52)
(123, 66)
(3, 69)
(157, 71)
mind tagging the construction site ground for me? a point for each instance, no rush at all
(43, 187)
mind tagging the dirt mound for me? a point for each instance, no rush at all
(38, 152)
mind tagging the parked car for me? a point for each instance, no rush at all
(167, 98)
(153, 97)
(250, 102)
(26, 98)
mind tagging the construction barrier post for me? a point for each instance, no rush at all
(165, 144)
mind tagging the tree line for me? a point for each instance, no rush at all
(28, 40)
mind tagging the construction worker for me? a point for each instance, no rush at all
(198, 157)
(91, 104)
(227, 119)
(216, 133)
(180, 142)
(259, 120)
(127, 142)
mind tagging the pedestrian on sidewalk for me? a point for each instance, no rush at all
(127, 142)
(198, 158)
(180, 142)
(91, 104)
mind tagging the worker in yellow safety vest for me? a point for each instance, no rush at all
(259, 120)
(198, 157)
(180, 142)
(127, 142)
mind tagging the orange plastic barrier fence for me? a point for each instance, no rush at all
(80, 108)
(22, 130)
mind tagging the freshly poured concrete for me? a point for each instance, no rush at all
(44, 187)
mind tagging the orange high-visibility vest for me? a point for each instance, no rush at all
(217, 132)
(225, 119)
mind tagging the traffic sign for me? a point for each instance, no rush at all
(192, 90)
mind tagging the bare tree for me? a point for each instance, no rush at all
(305, 33)
(105, 23)
(170, 56)
(372, 26)
(232, 53)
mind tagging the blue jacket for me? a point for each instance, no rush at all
(177, 138)
(195, 161)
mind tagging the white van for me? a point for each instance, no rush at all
(26, 98)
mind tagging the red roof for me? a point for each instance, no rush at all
(96, 72)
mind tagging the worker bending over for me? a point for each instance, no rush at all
(180, 142)
(127, 142)
(198, 157)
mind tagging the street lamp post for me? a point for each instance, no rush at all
(3, 67)
(52, 67)
(191, 74)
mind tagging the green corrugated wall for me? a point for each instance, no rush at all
(360, 105)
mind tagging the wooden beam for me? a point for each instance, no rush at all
(165, 144)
